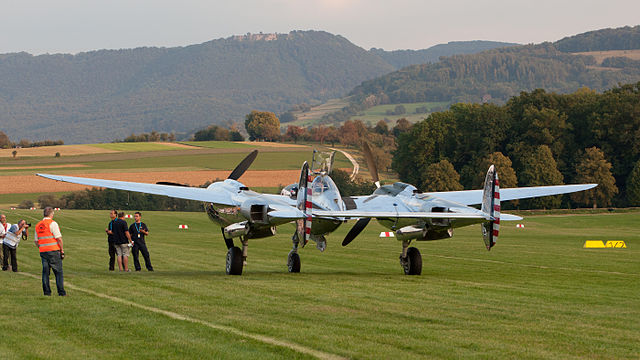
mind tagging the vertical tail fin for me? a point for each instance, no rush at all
(491, 206)
(304, 204)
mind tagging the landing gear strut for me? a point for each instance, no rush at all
(293, 260)
(410, 259)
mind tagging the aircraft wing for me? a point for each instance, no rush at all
(180, 192)
(474, 197)
(410, 214)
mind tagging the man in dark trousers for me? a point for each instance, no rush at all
(48, 239)
(123, 242)
(111, 240)
(138, 231)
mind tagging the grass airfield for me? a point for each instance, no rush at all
(537, 294)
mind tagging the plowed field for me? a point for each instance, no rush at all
(13, 184)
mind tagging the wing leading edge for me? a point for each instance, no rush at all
(180, 192)
(474, 197)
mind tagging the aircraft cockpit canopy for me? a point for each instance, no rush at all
(395, 189)
(322, 184)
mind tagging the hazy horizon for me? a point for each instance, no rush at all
(73, 26)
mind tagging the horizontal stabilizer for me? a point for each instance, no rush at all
(393, 214)
(509, 217)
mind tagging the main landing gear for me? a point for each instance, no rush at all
(293, 260)
(410, 259)
(236, 258)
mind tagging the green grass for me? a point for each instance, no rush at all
(135, 146)
(377, 113)
(219, 144)
(269, 159)
(537, 294)
(15, 199)
(225, 161)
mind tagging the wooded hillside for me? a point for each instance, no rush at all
(496, 75)
(110, 94)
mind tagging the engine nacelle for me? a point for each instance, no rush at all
(236, 230)
(261, 232)
(248, 230)
(421, 234)
(255, 211)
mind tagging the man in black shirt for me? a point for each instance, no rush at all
(138, 231)
(111, 240)
(123, 242)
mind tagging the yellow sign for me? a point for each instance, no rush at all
(598, 244)
(616, 244)
(593, 244)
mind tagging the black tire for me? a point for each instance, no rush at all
(293, 262)
(414, 262)
(234, 261)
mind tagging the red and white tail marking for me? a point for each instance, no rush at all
(308, 208)
(387, 234)
(496, 210)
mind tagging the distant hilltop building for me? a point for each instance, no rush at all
(255, 37)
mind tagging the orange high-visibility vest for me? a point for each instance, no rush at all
(46, 241)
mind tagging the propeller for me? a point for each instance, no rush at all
(370, 163)
(355, 230)
(243, 166)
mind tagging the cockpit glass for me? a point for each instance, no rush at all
(322, 184)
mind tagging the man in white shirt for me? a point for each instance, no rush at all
(10, 244)
(4, 226)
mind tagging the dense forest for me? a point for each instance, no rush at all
(403, 58)
(536, 138)
(623, 38)
(109, 94)
(496, 75)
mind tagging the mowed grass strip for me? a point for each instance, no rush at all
(137, 146)
(268, 159)
(537, 294)
(219, 144)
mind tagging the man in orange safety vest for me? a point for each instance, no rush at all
(48, 239)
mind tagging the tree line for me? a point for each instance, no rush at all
(536, 138)
(6, 143)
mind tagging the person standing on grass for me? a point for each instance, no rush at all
(138, 231)
(111, 240)
(123, 242)
(10, 244)
(48, 239)
(4, 226)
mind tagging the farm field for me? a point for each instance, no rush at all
(316, 113)
(601, 55)
(276, 165)
(537, 294)
(372, 115)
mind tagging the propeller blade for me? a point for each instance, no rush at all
(243, 166)
(370, 163)
(355, 230)
(171, 183)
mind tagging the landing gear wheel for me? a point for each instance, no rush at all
(412, 264)
(234, 261)
(293, 262)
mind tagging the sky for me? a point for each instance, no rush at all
(72, 26)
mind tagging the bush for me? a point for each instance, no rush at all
(25, 204)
